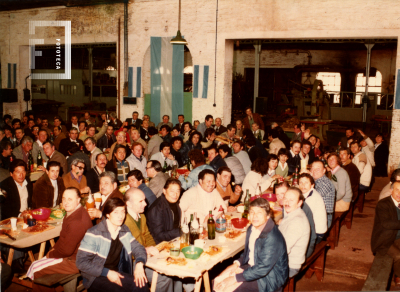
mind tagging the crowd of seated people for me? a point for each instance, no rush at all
(84, 156)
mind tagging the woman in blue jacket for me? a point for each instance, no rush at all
(263, 266)
(105, 254)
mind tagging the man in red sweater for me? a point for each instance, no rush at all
(61, 258)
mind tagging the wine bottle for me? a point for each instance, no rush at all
(211, 227)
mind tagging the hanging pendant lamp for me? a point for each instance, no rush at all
(179, 40)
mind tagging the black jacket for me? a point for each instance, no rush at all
(217, 162)
(93, 181)
(178, 157)
(386, 226)
(254, 153)
(381, 155)
(293, 162)
(221, 130)
(144, 134)
(102, 143)
(160, 220)
(10, 204)
(64, 144)
(138, 122)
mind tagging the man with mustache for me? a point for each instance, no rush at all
(92, 176)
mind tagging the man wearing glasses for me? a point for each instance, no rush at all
(325, 187)
(75, 177)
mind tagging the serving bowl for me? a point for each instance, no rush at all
(192, 252)
(270, 197)
(41, 213)
(239, 223)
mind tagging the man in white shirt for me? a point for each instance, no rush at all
(295, 228)
(367, 147)
(275, 143)
(304, 150)
(90, 144)
(164, 156)
(202, 198)
(242, 156)
(363, 165)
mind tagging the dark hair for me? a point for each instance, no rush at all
(247, 133)
(351, 129)
(230, 127)
(91, 126)
(208, 117)
(195, 133)
(271, 157)
(183, 125)
(156, 165)
(181, 116)
(222, 169)
(226, 149)
(345, 149)
(80, 122)
(19, 129)
(298, 126)
(306, 142)
(14, 121)
(90, 139)
(260, 165)
(203, 173)
(114, 158)
(112, 204)
(240, 143)
(177, 128)
(208, 132)
(261, 203)
(172, 181)
(4, 145)
(77, 192)
(379, 135)
(166, 116)
(251, 141)
(53, 164)
(295, 142)
(16, 163)
(136, 173)
(299, 193)
(152, 131)
(274, 133)
(283, 151)
(7, 117)
(97, 156)
(307, 175)
(250, 108)
(48, 142)
(164, 144)
(174, 139)
(394, 175)
(354, 142)
(135, 112)
(280, 185)
(334, 154)
(165, 127)
(212, 146)
(197, 156)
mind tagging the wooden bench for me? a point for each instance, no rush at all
(333, 233)
(315, 264)
(69, 282)
(360, 202)
(348, 219)
(379, 275)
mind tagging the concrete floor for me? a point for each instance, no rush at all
(348, 265)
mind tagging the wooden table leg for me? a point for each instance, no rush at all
(41, 251)
(31, 257)
(197, 286)
(154, 281)
(206, 282)
(52, 243)
(10, 256)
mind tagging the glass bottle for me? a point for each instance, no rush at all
(296, 177)
(245, 213)
(194, 229)
(211, 227)
(184, 240)
(30, 162)
(39, 159)
(220, 224)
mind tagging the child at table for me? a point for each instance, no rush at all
(283, 167)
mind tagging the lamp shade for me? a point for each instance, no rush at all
(178, 40)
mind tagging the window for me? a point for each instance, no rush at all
(331, 81)
(68, 89)
(374, 86)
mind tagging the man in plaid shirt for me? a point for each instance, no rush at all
(325, 187)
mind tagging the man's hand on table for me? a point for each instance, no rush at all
(231, 209)
(139, 275)
(152, 251)
(114, 277)
(95, 213)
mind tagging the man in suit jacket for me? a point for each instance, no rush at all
(108, 139)
(134, 120)
(385, 237)
(144, 131)
(157, 177)
(92, 176)
(44, 192)
(218, 127)
(17, 191)
(90, 145)
(154, 143)
(74, 123)
(65, 143)
(252, 118)
(181, 120)
(58, 136)
(294, 157)
(88, 119)
(350, 134)
(297, 133)
(54, 155)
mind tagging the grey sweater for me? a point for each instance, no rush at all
(342, 185)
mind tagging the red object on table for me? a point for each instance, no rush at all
(239, 223)
(181, 171)
(45, 214)
(268, 196)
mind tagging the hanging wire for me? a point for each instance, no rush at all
(215, 61)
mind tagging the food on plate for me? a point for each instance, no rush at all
(38, 228)
(272, 204)
(165, 245)
(213, 250)
(176, 261)
(13, 233)
(233, 234)
(228, 217)
(57, 214)
(7, 222)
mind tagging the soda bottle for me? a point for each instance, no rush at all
(220, 225)
(211, 227)
(30, 162)
(184, 240)
(194, 230)
(246, 205)
(296, 177)
(39, 159)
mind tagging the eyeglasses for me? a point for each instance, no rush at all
(80, 167)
